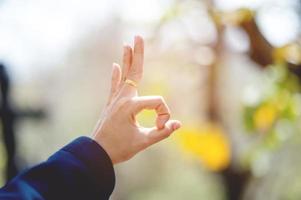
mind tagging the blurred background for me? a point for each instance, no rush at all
(229, 69)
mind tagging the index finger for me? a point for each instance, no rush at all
(156, 103)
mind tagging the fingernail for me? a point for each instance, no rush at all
(176, 126)
(125, 46)
(136, 39)
(115, 65)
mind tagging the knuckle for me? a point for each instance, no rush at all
(136, 75)
(166, 134)
(123, 103)
(160, 99)
(162, 104)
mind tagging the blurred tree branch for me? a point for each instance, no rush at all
(260, 49)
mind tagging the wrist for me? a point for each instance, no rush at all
(100, 141)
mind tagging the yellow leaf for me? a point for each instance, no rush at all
(208, 144)
(265, 117)
(236, 17)
(289, 53)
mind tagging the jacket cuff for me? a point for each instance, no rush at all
(96, 159)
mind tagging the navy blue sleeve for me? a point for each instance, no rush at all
(80, 170)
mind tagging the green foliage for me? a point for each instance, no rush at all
(274, 118)
(279, 100)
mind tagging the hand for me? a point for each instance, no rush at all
(118, 131)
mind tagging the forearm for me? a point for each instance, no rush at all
(81, 170)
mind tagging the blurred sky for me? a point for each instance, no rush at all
(35, 33)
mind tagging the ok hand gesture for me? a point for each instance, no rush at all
(118, 132)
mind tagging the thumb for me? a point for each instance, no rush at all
(156, 135)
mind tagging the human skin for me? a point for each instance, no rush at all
(118, 131)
